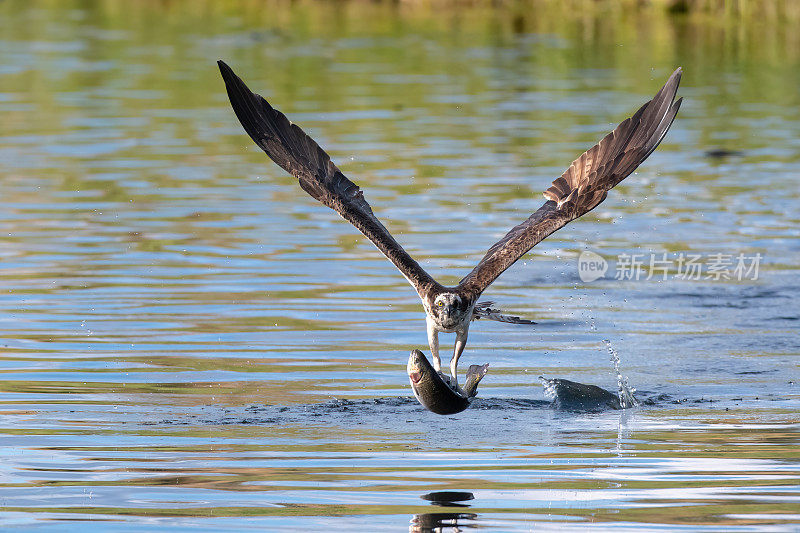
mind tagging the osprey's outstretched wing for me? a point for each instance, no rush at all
(584, 185)
(297, 153)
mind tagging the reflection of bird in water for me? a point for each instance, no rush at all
(429, 522)
(451, 309)
(439, 522)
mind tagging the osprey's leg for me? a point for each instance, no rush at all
(461, 343)
(433, 342)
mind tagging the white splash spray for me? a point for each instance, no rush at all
(625, 391)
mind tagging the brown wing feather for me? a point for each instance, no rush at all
(297, 153)
(584, 184)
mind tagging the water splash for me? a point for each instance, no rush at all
(625, 390)
(549, 386)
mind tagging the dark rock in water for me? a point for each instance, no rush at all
(573, 395)
(719, 153)
(438, 395)
(447, 497)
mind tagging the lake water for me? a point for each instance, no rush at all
(188, 341)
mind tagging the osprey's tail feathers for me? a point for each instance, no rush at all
(485, 310)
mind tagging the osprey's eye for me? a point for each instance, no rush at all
(440, 303)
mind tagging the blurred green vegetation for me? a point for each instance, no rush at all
(153, 61)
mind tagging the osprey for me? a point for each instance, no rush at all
(451, 309)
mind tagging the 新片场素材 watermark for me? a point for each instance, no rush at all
(663, 266)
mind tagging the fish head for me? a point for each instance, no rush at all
(418, 368)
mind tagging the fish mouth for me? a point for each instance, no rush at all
(415, 377)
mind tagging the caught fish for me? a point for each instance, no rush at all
(434, 391)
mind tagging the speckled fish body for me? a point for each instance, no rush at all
(436, 394)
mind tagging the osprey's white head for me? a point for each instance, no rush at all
(449, 310)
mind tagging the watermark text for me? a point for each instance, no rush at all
(663, 266)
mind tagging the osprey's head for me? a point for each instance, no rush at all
(449, 310)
